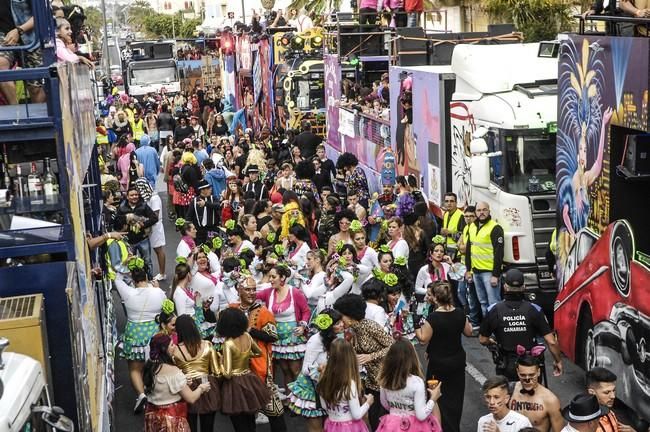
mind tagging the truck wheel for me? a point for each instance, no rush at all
(621, 253)
(585, 344)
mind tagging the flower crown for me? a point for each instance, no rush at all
(390, 279)
(323, 321)
(135, 263)
(356, 226)
(438, 239)
(168, 306)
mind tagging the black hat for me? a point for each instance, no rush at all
(583, 408)
(203, 184)
(514, 278)
(252, 169)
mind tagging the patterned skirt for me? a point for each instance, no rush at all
(303, 399)
(166, 418)
(134, 342)
(289, 346)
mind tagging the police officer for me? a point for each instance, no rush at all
(484, 256)
(515, 321)
(452, 223)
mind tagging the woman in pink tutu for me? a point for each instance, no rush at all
(339, 390)
(404, 394)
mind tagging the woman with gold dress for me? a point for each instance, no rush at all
(200, 363)
(243, 393)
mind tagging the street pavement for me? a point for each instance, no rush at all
(479, 366)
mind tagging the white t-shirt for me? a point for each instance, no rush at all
(157, 236)
(142, 304)
(314, 288)
(376, 313)
(411, 400)
(512, 422)
(346, 411)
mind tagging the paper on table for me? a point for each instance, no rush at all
(24, 223)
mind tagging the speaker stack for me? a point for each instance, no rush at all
(411, 46)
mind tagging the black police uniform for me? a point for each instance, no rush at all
(513, 322)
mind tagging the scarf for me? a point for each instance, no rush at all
(189, 241)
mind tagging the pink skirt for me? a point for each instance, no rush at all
(394, 422)
(345, 426)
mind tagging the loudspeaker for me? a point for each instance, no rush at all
(349, 43)
(411, 46)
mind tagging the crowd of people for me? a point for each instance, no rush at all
(297, 289)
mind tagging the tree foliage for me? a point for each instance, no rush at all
(95, 21)
(161, 26)
(537, 19)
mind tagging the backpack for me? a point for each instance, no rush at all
(179, 184)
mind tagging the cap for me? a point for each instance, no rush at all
(277, 208)
(203, 184)
(252, 169)
(584, 408)
(514, 278)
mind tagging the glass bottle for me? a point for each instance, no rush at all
(20, 184)
(50, 185)
(35, 187)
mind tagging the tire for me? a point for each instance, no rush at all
(621, 253)
(585, 344)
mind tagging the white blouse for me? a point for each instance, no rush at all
(184, 304)
(299, 257)
(168, 387)
(314, 288)
(206, 288)
(411, 400)
(424, 278)
(315, 355)
(142, 304)
(347, 410)
(367, 262)
(331, 296)
(183, 249)
(400, 249)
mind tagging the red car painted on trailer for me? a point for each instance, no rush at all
(602, 313)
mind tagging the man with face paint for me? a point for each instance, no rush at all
(533, 400)
(501, 418)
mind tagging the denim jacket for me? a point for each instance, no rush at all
(21, 10)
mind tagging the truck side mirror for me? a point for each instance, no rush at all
(480, 171)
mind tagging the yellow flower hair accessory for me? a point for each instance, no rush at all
(230, 224)
(356, 226)
(179, 223)
(391, 279)
(217, 243)
(168, 306)
(181, 260)
(438, 239)
(384, 248)
(135, 263)
(270, 237)
(400, 261)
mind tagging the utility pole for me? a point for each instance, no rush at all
(243, 12)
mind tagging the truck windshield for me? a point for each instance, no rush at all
(153, 76)
(530, 163)
(310, 94)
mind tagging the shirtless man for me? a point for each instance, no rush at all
(533, 400)
(274, 225)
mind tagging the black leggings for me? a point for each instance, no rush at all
(243, 422)
(206, 421)
(376, 410)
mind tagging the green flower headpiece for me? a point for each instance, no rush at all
(339, 246)
(391, 279)
(385, 248)
(293, 221)
(279, 249)
(438, 239)
(356, 226)
(384, 224)
(168, 306)
(244, 250)
(217, 243)
(135, 263)
(400, 261)
(206, 248)
(230, 224)
(179, 222)
(343, 261)
(181, 260)
(378, 274)
(270, 237)
(323, 321)
(242, 263)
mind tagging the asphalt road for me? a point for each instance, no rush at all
(479, 366)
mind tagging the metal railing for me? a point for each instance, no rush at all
(641, 25)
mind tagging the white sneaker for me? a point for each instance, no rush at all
(160, 277)
(261, 419)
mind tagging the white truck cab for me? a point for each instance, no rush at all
(504, 119)
(24, 400)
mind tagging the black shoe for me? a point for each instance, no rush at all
(140, 402)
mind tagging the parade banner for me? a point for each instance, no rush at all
(333, 97)
(346, 123)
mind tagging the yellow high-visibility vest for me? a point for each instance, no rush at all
(451, 224)
(465, 237)
(138, 129)
(482, 249)
(553, 244)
